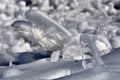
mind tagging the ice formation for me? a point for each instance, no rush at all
(59, 39)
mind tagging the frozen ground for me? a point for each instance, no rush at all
(59, 40)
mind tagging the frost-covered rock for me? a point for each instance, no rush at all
(102, 47)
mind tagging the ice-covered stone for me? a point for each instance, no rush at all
(55, 56)
(102, 47)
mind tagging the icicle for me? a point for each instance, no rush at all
(42, 19)
(10, 63)
(90, 40)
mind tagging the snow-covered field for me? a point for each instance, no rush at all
(59, 40)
